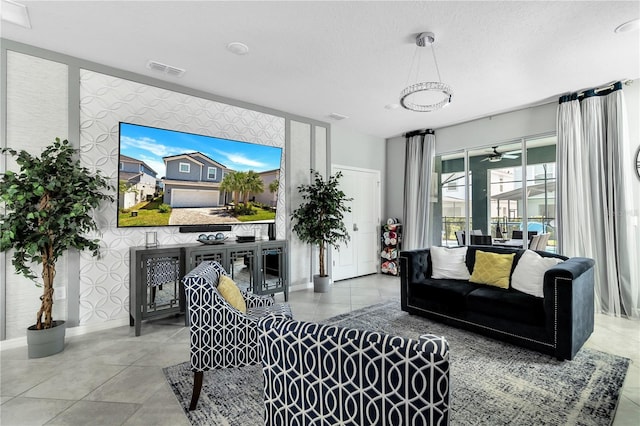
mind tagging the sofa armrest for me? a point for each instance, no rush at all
(254, 300)
(415, 266)
(573, 267)
(569, 304)
(435, 344)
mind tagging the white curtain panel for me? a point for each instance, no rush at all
(597, 218)
(419, 163)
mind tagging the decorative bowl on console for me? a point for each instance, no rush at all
(212, 239)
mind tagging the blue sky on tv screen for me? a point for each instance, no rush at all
(151, 144)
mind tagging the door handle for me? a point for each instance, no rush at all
(355, 227)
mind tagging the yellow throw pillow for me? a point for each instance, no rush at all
(492, 269)
(231, 293)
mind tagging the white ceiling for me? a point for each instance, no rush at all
(313, 58)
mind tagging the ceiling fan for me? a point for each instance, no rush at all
(496, 156)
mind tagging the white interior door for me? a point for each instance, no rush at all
(359, 256)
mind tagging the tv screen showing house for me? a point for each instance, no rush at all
(173, 178)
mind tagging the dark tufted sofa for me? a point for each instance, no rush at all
(557, 324)
(327, 375)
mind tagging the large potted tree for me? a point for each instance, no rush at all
(319, 220)
(47, 210)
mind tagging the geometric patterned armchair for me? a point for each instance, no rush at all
(220, 335)
(329, 375)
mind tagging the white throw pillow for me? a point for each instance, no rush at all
(528, 277)
(449, 263)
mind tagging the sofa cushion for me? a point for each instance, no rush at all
(471, 253)
(528, 277)
(512, 305)
(448, 295)
(449, 263)
(492, 269)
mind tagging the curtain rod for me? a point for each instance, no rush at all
(607, 87)
(596, 90)
(419, 133)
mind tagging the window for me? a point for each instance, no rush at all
(450, 207)
(497, 190)
(211, 173)
(185, 167)
(541, 188)
(121, 165)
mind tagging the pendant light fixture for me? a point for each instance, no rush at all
(408, 98)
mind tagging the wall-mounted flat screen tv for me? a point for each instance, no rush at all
(174, 178)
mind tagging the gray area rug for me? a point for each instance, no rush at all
(492, 383)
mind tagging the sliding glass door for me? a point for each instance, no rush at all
(503, 191)
(541, 190)
(496, 170)
(450, 217)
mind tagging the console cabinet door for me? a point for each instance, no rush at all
(273, 269)
(242, 265)
(155, 287)
(196, 255)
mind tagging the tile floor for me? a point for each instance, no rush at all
(114, 378)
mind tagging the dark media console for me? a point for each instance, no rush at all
(155, 287)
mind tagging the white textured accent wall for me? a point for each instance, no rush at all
(300, 156)
(37, 113)
(104, 102)
(320, 163)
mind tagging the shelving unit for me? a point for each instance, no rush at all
(391, 240)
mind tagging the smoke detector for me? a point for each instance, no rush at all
(238, 48)
(166, 69)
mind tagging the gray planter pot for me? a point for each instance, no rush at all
(321, 284)
(42, 343)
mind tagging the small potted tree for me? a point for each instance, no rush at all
(47, 210)
(319, 220)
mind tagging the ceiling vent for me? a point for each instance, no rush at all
(166, 69)
(14, 12)
(337, 117)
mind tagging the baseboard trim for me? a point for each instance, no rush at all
(300, 287)
(80, 330)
